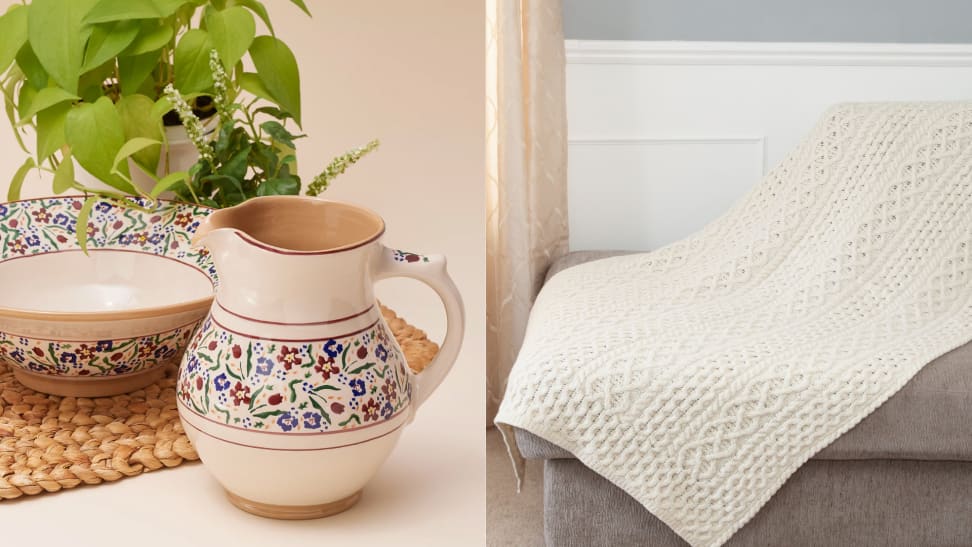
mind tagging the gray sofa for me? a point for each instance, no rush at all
(902, 477)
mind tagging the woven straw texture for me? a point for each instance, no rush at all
(699, 377)
(48, 443)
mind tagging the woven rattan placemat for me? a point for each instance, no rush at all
(48, 442)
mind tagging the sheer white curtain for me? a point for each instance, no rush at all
(526, 172)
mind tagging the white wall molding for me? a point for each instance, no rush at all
(664, 136)
(767, 53)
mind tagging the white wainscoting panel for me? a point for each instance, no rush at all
(655, 190)
(664, 136)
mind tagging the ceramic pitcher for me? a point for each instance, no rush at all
(293, 390)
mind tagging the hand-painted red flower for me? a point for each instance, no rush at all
(240, 394)
(275, 399)
(326, 366)
(212, 345)
(184, 390)
(38, 352)
(371, 410)
(17, 246)
(84, 352)
(362, 352)
(390, 390)
(116, 356)
(337, 408)
(92, 229)
(237, 351)
(12, 223)
(183, 219)
(288, 357)
(154, 219)
(140, 238)
(118, 224)
(146, 350)
(42, 216)
(61, 239)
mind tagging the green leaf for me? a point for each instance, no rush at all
(130, 148)
(273, 112)
(251, 83)
(64, 175)
(55, 34)
(151, 38)
(117, 10)
(10, 108)
(107, 41)
(13, 34)
(285, 186)
(17, 182)
(138, 121)
(95, 134)
(31, 66)
(44, 99)
(279, 133)
(231, 32)
(168, 7)
(192, 62)
(82, 224)
(303, 7)
(161, 108)
(277, 69)
(132, 71)
(168, 182)
(24, 99)
(50, 129)
(237, 165)
(258, 8)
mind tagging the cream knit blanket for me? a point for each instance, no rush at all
(699, 377)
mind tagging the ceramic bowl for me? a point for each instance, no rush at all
(107, 322)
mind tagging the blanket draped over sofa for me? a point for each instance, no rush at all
(699, 377)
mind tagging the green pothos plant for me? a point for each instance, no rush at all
(87, 77)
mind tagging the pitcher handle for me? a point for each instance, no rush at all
(430, 270)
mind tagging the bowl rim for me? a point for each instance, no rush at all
(196, 304)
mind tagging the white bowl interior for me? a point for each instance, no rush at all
(104, 280)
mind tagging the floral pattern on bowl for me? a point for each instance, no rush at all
(335, 384)
(44, 225)
(95, 358)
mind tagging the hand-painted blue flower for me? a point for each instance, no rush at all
(332, 348)
(18, 355)
(155, 239)
(264, 366)
(103, 206)
(382, 353)
(3, 210)
(104, 345)
(221, 382)
(312, 420)
(69, 357)
(357, 387)
(164, 352)
(387, 411)
(32, 240)
(192, 363)
(61, 219)
(287, 421)
(121, 369)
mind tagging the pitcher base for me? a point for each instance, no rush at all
(294, 512)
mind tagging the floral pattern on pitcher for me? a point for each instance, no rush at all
(405, 256)
(36, 226)
(94, 358)
(334, 384)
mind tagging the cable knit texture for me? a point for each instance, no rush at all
(699, 377)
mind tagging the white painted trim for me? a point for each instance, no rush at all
(627, 52)
(666, 141)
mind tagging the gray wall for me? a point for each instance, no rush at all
(916, 21)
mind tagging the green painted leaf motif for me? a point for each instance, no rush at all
(137, 120)
(64, 175)
(44, 99)
(288, 186)
(277, 69)
(231, 32)
(192, 62)
(17, 182)
(54, 30)
(13, 34)
(50, 129)
(132, 71)
(82, 224)
(107, 41)
(118, 10)
(31, 66)
(258, 8)
(169, 7)
(151, 38)
(95, 134)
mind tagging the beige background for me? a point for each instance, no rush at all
(411, 74)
